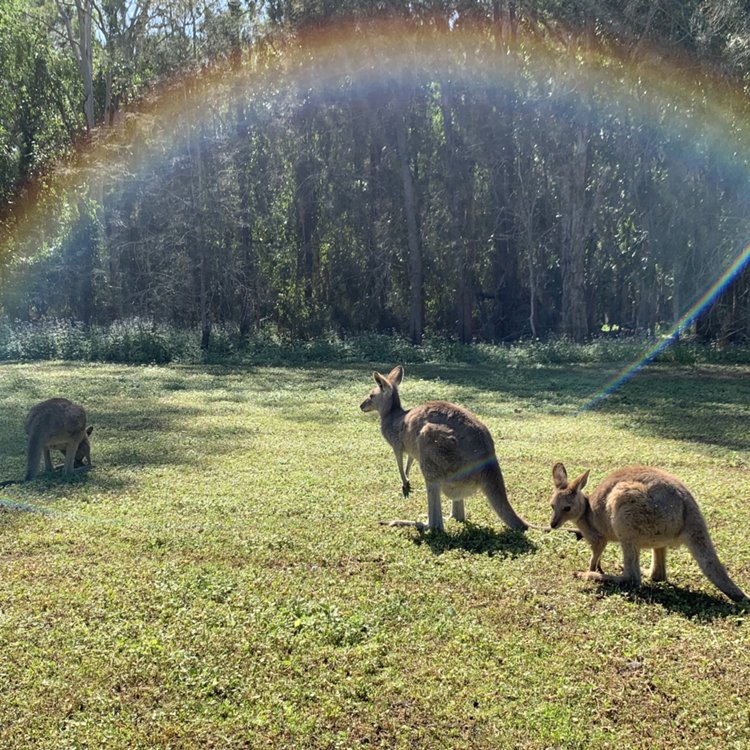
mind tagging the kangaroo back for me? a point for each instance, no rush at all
(456, 450)
(450, 436)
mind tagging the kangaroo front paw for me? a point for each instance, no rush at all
(406, 488)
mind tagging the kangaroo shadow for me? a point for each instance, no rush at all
(693, 605)
(478, 540)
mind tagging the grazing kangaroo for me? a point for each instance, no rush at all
(454, 449)
(638, 507)
(57, 423)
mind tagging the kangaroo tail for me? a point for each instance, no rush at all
(493, 485)
(10, 481)
(701, 547)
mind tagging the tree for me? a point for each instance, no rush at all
(495, 174)
(77, 21)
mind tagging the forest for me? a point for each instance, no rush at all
(480, 170)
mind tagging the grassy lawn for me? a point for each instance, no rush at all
(220, 579)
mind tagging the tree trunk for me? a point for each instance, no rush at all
(201, 253)
(81, 49)
(574, 316)
(204, 310)
(416, 272)
(307, 217)
(246, 260)
(459, 190)
(87, 60)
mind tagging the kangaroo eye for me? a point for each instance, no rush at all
(566, 509)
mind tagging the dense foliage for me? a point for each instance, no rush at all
(479, 170)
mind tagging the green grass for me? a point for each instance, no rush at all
(220, 579)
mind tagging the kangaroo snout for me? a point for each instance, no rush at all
(555, 521)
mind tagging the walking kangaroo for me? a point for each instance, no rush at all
(57, 423)
(638, 507)
(454, 449)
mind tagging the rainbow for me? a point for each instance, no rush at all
(651, 352)
(367, 55)
(10, 504)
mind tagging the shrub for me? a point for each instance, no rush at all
(142, 341)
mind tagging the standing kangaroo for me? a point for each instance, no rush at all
(454, 449)
(57, 423)
(638, 507)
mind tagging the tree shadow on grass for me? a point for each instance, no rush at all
(698, 404)
(12, 508)
(47, 488)
(693, 605)
(478, 540)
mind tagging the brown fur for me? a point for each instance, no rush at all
(59, 424)
(638, 507)
(455, 451)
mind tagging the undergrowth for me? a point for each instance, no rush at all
(141, 341)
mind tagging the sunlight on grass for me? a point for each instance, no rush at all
(220, 579)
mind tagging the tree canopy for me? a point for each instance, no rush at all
(484, 170)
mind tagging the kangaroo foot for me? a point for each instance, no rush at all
(412, 524)
(599, 577)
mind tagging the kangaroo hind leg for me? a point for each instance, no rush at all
(658, 570)
(33, 456)
(434, 509)
(434, 513)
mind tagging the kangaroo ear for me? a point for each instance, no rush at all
(89, 429)
(381, 380)
(396, 375)
(559, 476)
(580, 482)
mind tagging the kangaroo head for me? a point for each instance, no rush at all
(83, 454)
(568, 501)
(384, 395)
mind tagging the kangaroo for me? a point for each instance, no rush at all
(57, 423)
(454, 449)
(639, 507)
